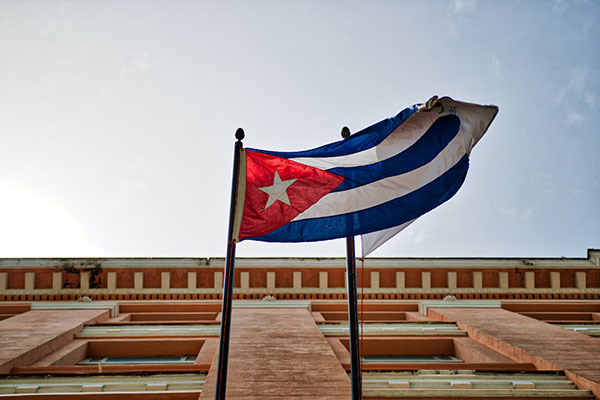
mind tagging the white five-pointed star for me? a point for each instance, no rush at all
(278, 190)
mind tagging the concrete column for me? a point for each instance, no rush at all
(297, 275)
(270, 280)
(580, 280)
(529, 280)
(138, 280)
(503, 280)
(112, 281)
(374, 280)
(477, 280)
(57, 282)
(245, 280)
(400, 280)
(426, 280)
(451, 280)
(323, 280)
(84, 280)
(29, 280)
(192, 279)
(165, 280)
(555, 280)
(3, 280)
(218, 278)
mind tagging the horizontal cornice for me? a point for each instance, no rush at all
(267, 262)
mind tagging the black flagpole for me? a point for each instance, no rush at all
(355, 371)
(228, 279)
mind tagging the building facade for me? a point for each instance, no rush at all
(148, 328)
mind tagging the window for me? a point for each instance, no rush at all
(389, 353)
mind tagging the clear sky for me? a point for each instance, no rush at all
(117, 118)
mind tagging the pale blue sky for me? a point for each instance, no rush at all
(117, 118)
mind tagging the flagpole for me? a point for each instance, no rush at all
(355, 371)
(228, 279)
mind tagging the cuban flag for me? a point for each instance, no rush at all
(373, 183)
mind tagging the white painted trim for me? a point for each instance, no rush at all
(426, 280)
(113, 306)
(376, 263)
(424, 305)
(3, 281)
(555, 280)
(400, 280)
(29, 281)
(244, 280)
(192, 279)
(323, 280)
(111, 281)
(270, 280)
(580, 280)
(374, 279)
(503, 280)
(84, 280)
(165, 280)
(477, 280)
(218, 280)
(271, 304)
(297, 279)
(113, 384)
(529, 280)
(138, 280)
(57, 281)
(452, 280)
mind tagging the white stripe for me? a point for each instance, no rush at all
(372, 241)
(474, 121)
(384, 190)
(399, 140)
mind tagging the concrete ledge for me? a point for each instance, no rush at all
(271, 304)
(425, 305)
(592, 260)
(113, 306)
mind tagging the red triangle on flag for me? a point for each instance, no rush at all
(277, 190)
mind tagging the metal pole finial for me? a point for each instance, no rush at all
(239, 134)
(345, 132)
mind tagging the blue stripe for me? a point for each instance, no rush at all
(433, 141)
(387, 215)
(363, 140)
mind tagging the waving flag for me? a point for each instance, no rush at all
(373, 183)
